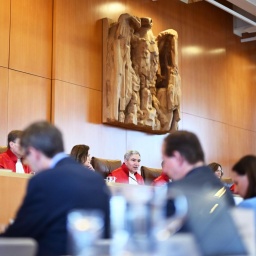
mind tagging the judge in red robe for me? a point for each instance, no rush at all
(13, 154)
(128, 172)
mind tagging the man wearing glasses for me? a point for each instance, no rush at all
(60, 185)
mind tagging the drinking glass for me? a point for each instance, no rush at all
(84, 227)
(138, 221)
(111, 179)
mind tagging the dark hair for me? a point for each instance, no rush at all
(44, 137)
(187, 144)
(247, 166)
(12, 136)
(80, 153)
(215, 167)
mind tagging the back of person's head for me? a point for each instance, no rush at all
(80, 153)
(44, 137)
(247, 166)
(129, 153)
(12, 136)
(216, 167)
(187, 144)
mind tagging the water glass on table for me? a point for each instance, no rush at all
(110, 179)
(84, 227)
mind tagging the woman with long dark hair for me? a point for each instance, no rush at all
(244, 177)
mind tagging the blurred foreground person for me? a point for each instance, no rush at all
(61, 185)
(207, 199)
(81, 154)
(244, 177)
(12, 158)
(128, 172)
(183, 158)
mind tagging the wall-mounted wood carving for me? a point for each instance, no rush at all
(141, 82)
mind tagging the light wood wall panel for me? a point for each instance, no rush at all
(3, 105)
(241, 61)
(214, 138)
(31, 36)
(217, 69)
(77, 42)
(217, 72)
(241, 143)
(203, 50)
(78, 36)
(207, 67)
(77, 112)
(165, 14)
(4, 32)
(29, 99)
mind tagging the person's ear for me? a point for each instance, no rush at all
(125, 161)
(32, 151)
(11, 143)
(178, 157)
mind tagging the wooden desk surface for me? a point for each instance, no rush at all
(12, 190)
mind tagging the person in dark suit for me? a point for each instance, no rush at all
(207, 199)
(60, 185)
(183, 158)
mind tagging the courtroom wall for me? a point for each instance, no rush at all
(51, 68)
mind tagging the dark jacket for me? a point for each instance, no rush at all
(51, 194)
(208, 217)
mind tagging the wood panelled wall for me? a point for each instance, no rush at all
(51, 68)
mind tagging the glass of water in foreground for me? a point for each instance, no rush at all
(84, 228)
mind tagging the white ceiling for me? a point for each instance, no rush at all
(246, 5)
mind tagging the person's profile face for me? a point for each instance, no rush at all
(171, 165)
(87, 160)
(30, 156)
(218, 172)
(133, 163)
(15, 147)
(241, 183)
